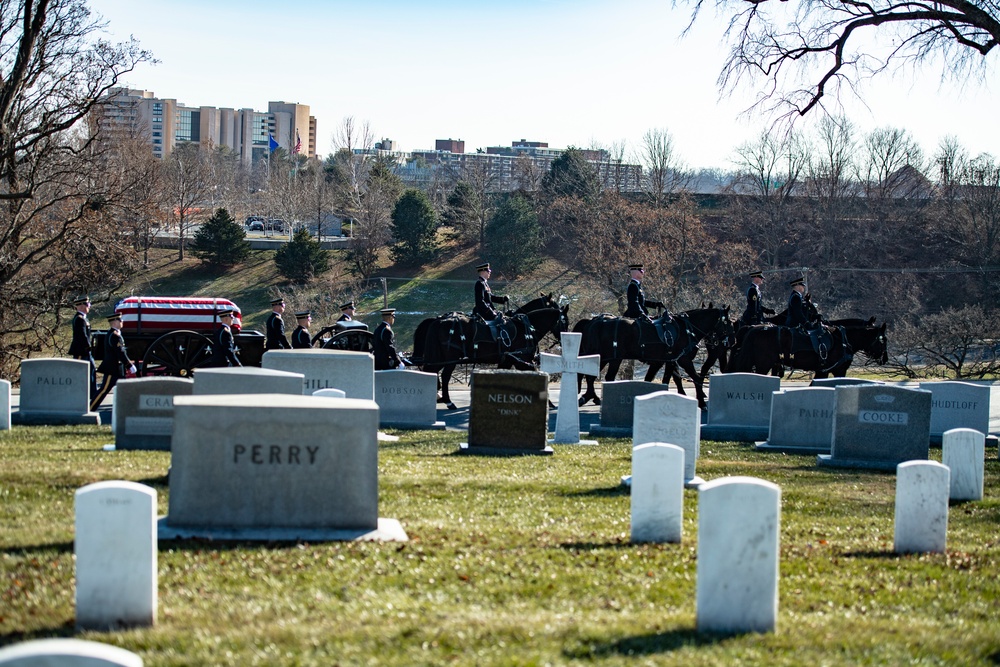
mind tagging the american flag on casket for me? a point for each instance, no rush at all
(160, 314)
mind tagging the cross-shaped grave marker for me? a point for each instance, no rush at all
(570, 363)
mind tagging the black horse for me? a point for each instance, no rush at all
(766, 348)
(618, 338)
(441, 343)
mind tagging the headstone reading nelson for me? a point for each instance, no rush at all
(143, 414)
(508, 413)
(55, 391)
(739, 406)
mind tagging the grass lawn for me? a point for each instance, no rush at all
(517, 561)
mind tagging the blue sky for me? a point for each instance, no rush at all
(569, 72)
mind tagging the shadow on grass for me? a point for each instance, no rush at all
(67, 629)
(160, 482)
(884, 555)
(650, 644)
(35, 549)
(595, 546)
(604, 492)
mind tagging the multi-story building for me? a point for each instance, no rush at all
(167, 123)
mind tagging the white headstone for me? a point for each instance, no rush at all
(55, 391)
(921, 507)
(657, 492)
(115, 545)
(330, 393)
(353, 372)
(670, 418)
(67, 653)
(964, 452)
(5, 405)
(407, 399)
(739, 523)
(246, 380)
(570, 364)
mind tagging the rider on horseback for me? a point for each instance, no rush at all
(485, 299)
(637, 300)
(755, 311)
(796, 305)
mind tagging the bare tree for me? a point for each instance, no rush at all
(188, 182)
(829, 185)
(373, 233)
(665, 173)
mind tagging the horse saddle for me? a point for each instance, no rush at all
(500, 332)
(451, 329)
(817, 340)
(661, 330)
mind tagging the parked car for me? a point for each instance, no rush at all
(255, 226)
(252, 219)
(276, 225)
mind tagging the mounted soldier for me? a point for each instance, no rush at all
(755, 311)
(485, 299)
(637, 301)
(796, 305)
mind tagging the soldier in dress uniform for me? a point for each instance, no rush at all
(300, 337)
(80, 347)
(223, 344)
(275, 329)
(346, 312)
(796, 304)
(755, 311)
(116, 363)
(637, 301)
(384, 343)
(484, 295)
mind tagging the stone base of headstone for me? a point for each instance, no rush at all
(466, 448)
(409, 426)
(828, 461)
(598, 431)
(766, 446)
(578, 442)
(33, 418)
(733, 433)
(991, 440)
(693, 483)
(389, 530)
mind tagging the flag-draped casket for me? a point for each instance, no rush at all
(160, 314)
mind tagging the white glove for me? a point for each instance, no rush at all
(131, 369)
(401, 365)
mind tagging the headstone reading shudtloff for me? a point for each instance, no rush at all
(246, 380)
(143, 414)
(327, 369)
(407, 399)
(801, 421)
(958, 405)
(508, 413)
(55, 391)
(739, 406)
(657, 492)
(5, 405)
(739, 524)
(67, 653)
(570, 364)
(921, 507)
(275, 467)
(617, 406)
(964, 452)
(674, 419)
(879, 427)
(115, 547)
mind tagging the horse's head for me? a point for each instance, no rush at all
(878, 349)
(542, 301)
(563, 319)
(812, 311)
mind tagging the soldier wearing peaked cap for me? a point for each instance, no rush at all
(300, 337)
(223, 343)
(116, 363)
(755, 310)
(275, 328)
(384, 343)
(80, 347)
(796, 304)
(637, 301)
(484, 295)
(346, 312)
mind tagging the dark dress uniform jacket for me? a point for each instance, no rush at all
(301, 338)
(345, 318)
(80, 347)
(224, 348)
(115, 355)
(384, 346)
(275, 331)
(796, 311)
(637, 300)
(485, 300)
(754, 314)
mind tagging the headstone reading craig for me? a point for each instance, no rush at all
(958, 405)
(879, 427)
(508, 413)
(407, 399)
(801, 421)
(5, 405)
(657, 492)
(245, 380)
(963, 450)
(327, 369)
(739, 524)
(739, 406)
(55, 391)
(275, 467)
(115, 547)
(143, 414)
(921, 507)
(674, 419)
(617, 409)
(570, 364)
(64, 652)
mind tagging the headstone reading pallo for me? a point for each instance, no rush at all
(54, 392)
(508, 414)
(143, 414)
(801, 421)
(64, 652)
(657, 492)
(674, 419)
(739, 525)
(5, 405)
(327, 369)
(958, 405)
(115, 548)
(570, 364)
(246, 380)
(921, 507)
(407, 399)
(739, 406)
(617, 406)
(963, 450)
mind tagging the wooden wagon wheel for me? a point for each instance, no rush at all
(356, 341)
(176, 353)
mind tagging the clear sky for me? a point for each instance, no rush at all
(489, 72)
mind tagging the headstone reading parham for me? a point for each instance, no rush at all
(617, 406)
(143, 414)
(801, 421)
(55, 392)
(327, 369)
(570, 364)
(407, 399)
(921, 507)
(508, 413)
(66, 653)
(739, 406)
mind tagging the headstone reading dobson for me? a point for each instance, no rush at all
(508, 413)
(275, 467)
(143, 415)
(327, 369)
(617, 402)
(407, 399)
(246, 380)
(801, 421)
(55, 391)
(739, 406)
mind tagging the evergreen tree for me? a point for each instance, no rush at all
(301, 259)
(221, 242)
(514, 236)
(571, 176)
(414, 224)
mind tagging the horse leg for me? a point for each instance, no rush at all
(654, 368)
(590, 394)
(687, 364)
(446, 372)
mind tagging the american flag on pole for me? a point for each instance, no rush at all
(298, 143)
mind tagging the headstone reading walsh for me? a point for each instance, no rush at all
(509, 413)
(55, 391)
(617, 406)
(801, 421)
(349, 371)
(143, 414)
(739, 406)
(407, 399)
(570, 364)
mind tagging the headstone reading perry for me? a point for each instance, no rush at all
(958, 405)
(326, 369)
(963, 450)
(617, 409)
(801, 421)
(55, 391)
(508, 413)
(5, 405)
(921, 507)
(879, 427)
(245, 380)
(115, 546)
(674, 419)
(407, 399)
(739, 406)
(143, 414)
(739, 523)
(67, 653)
(570, 364)
(275, 467)
(657, 492)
